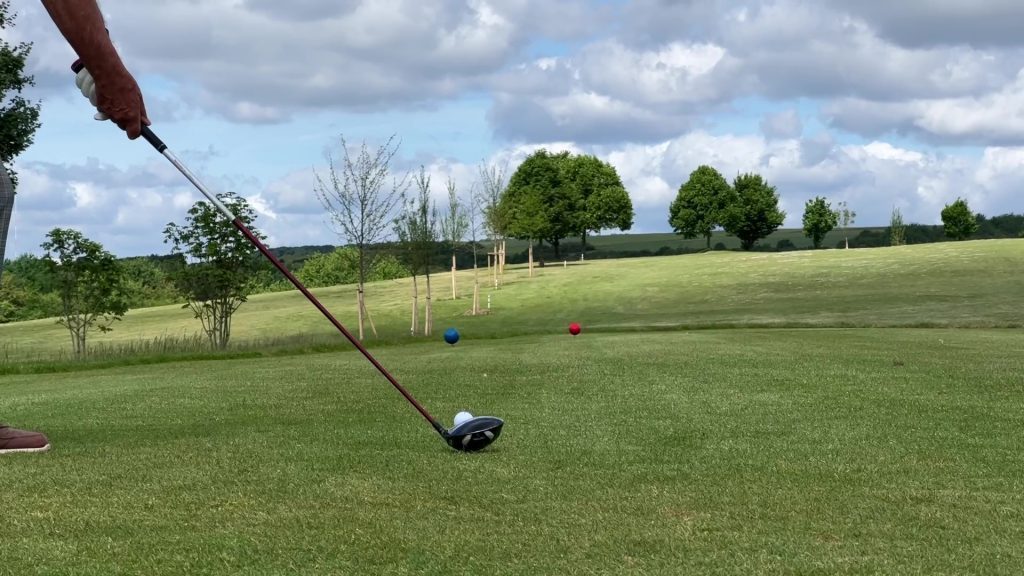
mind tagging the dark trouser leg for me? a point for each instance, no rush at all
(6, 208)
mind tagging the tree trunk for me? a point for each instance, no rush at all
(455, 293)
(476, 291)
(555, 244)
(359, 305)
(415, 307)
(366, 312)
(708, 237)
(77, 328)
(496, 264)
(224, 324)
(529, 258)
(428, 322)
(501, 270)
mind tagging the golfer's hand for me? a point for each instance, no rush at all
(117, 98)
(87, 86)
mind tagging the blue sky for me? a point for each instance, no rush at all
(878, 104)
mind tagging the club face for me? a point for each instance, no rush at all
(475, 434)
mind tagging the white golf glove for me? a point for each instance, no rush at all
(87, 85)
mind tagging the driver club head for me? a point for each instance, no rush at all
(474, 434)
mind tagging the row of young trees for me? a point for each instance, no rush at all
(549, 197)
(365, 200)
(211, 267)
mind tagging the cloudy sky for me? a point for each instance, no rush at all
(880, 103)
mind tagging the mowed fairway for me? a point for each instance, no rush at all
(627, 450)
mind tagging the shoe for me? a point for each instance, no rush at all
(14, 440)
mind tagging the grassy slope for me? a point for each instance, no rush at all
(826, 451)
(951, 284)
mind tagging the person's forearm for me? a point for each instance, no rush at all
(81, 23)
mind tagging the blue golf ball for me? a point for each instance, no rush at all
(451, 335)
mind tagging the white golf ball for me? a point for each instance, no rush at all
(462, 417)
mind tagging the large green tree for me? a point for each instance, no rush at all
(541, 203)
(19, 119)
(219, 263)
(700, 205)
(754, 213)
(959, 222)
(604, 202)
(819, 219)
(89, 282)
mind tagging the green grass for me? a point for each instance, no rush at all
(970, 284)
(655, 241)
(712, 452)
(832, 412)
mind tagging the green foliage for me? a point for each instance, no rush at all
(1002, 226)
(19, 118)
(541, 203)
(88, 280)
(387, 267)
(819, 220)
(146, 283)
(897, 230)
(19, 301)
(754, 212)
(958, 220)
(340, 266)
(701, 204)
(604, 202)
(33, 272)
(220, 263)
(785, 245)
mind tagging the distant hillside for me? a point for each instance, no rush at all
(663, 244)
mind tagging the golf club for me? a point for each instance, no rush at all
(469, 436)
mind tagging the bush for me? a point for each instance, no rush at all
(785, 245)
(720, 246)
(19, 302)
(387, 267)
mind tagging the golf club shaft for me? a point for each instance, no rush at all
(162, 148)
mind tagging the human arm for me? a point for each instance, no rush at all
(117, 94)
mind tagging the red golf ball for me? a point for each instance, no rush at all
(574, 328)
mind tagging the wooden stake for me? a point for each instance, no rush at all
(455, 294)
(429, 320)
(415, 307)
(359, 306)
